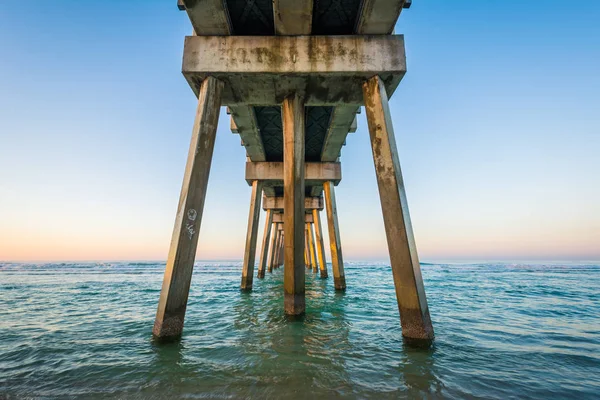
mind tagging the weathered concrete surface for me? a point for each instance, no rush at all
(243, 122)
(378, 17)
(182, 252)
(341, 123)
(251, 236)
(335, 245)
(292, 17)
(277, 203)
(276, 256)
(208, 17)
(272, 173)
(306, 250)
(272, 247)
(313, 250)
(263, 70)
(293, 182)
(262, 263)
(410, 292)
(280, 256)
(320, 244)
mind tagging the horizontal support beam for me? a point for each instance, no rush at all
(208, 17)
(378, 17)
(279, 218)
(276, 203)
(271, 173)
(325, 70)
(243, 122)
(343, 120)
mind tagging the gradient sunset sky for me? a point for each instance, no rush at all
(497, 123)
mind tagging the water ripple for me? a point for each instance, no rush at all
(502, 331)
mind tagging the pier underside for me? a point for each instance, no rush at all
(294, 75)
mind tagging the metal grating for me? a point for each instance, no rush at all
(317, 121)
(334, 17)
(269, 125)
(251, 17)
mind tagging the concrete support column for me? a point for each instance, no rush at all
(262, 266)
(320, 245)
(293, 182)
(277, 248)
(313, 252)
(251, 235)
(182, 252)
(281, 252)
(410, 292)
(272, 248)
(337, 261)
(306, 250)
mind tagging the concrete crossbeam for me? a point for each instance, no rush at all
(276, 203)
(325, 70)
(272, 172)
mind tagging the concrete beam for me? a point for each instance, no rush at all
(293, 17)
(276, 203)
(410, 291)
(263, 70)
(316, 190)
(342, 119)
(378, 17)
(272, 173)
(243, 122)
(208, 17)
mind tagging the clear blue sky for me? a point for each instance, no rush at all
(497, 124)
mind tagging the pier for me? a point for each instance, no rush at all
(293, 76)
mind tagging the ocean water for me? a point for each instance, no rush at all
(502, 331)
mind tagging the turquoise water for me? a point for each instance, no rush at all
(502, 331)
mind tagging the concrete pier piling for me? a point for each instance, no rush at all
(293, 116)
(271, 262)
(335, 245)
(410, 292)
(313, 252)
(320, 245)
(264, 250)
(251, 236)
(182, 253)
(292, 113)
